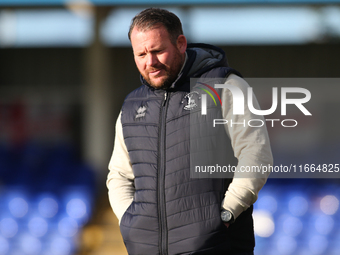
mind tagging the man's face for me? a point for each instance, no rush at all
(157, 59)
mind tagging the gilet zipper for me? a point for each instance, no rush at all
(163, 232)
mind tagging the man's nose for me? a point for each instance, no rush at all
(151, 60)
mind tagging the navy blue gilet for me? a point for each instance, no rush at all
(172, 213)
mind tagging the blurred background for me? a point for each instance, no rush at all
(65, 69)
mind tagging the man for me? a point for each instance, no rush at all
(161, 209)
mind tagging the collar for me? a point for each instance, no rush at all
(181, 71)
(185, 61)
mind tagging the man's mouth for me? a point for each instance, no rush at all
(155, 72)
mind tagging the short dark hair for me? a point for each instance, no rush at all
(151, 17)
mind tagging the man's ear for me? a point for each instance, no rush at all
(181, 43)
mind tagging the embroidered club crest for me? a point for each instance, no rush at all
(191, 97)
(141, 112)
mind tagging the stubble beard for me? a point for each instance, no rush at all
(171, 73)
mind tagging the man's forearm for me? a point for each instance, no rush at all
(251, 147)
(121, 192)
(120, 180)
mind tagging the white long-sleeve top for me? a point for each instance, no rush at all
(250, 144)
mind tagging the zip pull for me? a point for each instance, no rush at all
(165, 97)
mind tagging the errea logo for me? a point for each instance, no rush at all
(141, 112)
